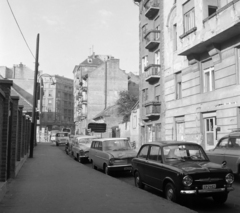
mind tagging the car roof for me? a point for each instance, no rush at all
(86, 136)
(111, 139)
(167, 143)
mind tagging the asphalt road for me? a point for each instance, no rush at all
(202, 205)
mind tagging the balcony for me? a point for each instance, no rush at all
(221, 26)
(152, 8)
(152, 73)
(84, 88)
(152, 38)
(153, 109)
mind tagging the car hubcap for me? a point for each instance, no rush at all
(137, 180)
(170, 194)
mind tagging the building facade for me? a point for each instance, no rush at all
(98, 82)
(200, 68)
(57, 103)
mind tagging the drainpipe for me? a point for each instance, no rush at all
(105, 84)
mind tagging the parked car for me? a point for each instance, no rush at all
(80, 147)
(227, 151)
(68, 146)
(181, 169)
(111, 154)
(62, 138)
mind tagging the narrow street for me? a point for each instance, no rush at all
(203, 205)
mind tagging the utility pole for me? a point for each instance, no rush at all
(33, 123)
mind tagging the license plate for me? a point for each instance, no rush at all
(209, 186)
(127, 168)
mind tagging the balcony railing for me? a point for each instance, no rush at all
(152, 39)
(152, 73)
(153, 109)
(152, 8)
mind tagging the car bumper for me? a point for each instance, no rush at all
(206, 191)
(127, 167)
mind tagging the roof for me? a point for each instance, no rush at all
(27, 106)
(111, 139)
(106, 111)
(92, 60)
(85, 136)
(166, 143)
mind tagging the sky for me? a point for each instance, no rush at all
(69, 30)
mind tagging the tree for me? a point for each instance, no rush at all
(125, 103)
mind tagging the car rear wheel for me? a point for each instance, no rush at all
(170, 192)
(138, 181)
(220, 198)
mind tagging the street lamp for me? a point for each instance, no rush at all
(41, 94)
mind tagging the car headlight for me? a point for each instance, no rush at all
(229, 178)
(111, 161)
(187, 180)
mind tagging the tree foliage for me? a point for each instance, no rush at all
(125, 103)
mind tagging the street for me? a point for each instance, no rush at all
(202, 205)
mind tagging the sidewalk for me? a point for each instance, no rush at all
(53, 182)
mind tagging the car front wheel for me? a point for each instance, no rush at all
(170, 192)
(138, 181)
(106, 170)
(220, 198)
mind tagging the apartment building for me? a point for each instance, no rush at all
(97, 83)
(57, 103)
(201, 66)
(151, 104)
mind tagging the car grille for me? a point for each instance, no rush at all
(209, 178)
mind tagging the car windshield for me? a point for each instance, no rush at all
(85, 140)
(62, 135)
(116, 145)
(184, 153)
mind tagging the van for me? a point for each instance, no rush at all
(62, 138)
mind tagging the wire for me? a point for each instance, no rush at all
(20, 29)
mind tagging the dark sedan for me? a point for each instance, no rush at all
(181, 169)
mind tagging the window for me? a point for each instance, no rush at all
(174, 37)
(145, 95)
(144, 63)
(143, 153)
(212, 10)
(157, 57)
(180, 128)
(144, 31)
(178, 85)
(209, 79)
(49, 101)
(155, 154)
(158, 131)
(157, 34)
(149, 133)
(157, 93)
(188, 16)
(50, 93)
